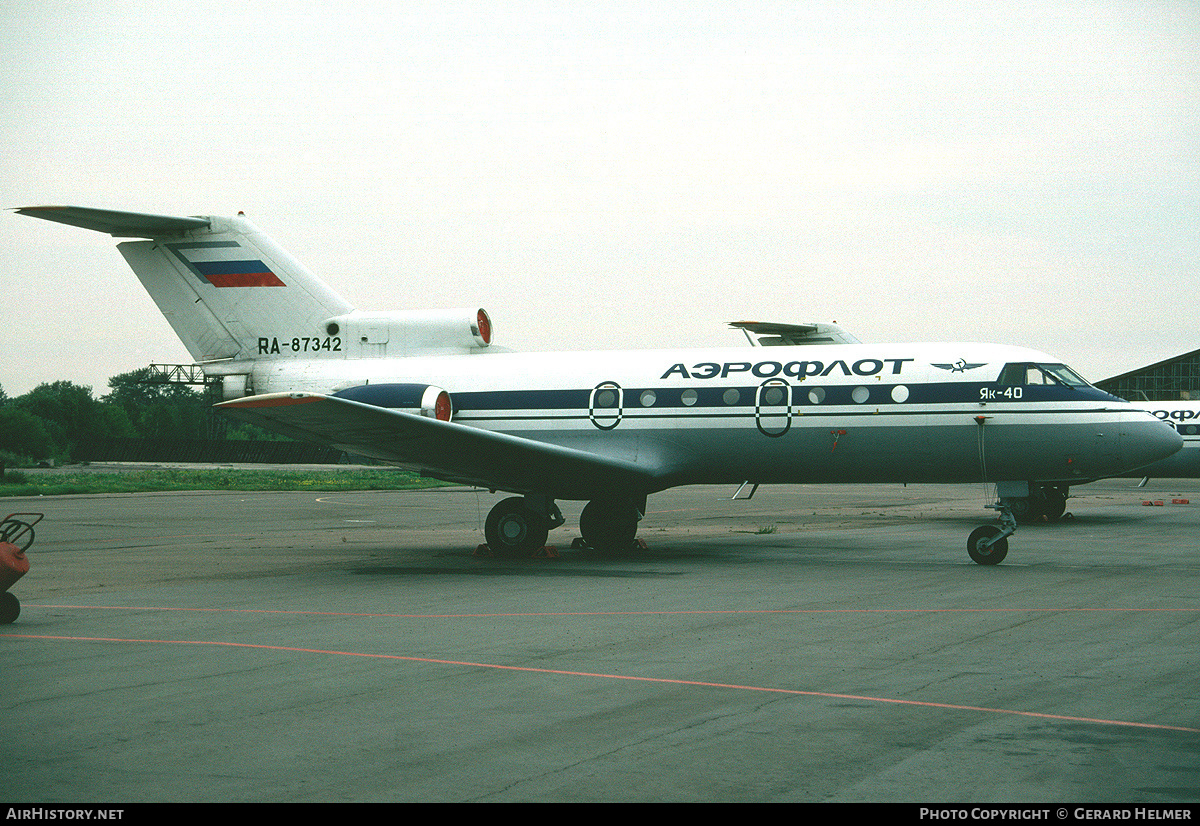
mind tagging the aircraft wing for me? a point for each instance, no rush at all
(118, 224)
(773, 333)
(443, 450)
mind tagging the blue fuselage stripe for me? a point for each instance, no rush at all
(720, 397)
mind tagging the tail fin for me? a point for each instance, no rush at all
(220, 282)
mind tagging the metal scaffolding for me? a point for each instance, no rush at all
(179, 374)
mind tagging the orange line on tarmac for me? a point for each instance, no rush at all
(732, 611)
(664, 680)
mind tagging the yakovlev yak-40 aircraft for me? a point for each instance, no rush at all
(426, 390)
(1031, 501)
(1040, 501)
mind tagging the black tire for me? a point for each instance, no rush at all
(513, 530)
(609, 525)
(10, 608)
(993, 555)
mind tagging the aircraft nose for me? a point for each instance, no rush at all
(1145, 439)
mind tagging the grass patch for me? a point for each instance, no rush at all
(249, 479)
(761, 531)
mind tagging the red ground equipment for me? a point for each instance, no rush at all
(16, 535)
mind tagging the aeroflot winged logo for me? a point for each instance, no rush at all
(960, 366)
(225, 264)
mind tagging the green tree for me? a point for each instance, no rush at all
(156, 408)
(68, 413)
(23, 437)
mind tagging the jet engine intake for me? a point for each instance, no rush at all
(409, 332)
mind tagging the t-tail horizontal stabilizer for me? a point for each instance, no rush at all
(220, 282)
(117, 224)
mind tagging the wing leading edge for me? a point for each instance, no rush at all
(443, 450)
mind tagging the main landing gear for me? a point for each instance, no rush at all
(610, 524)
(988, 544)
(518, 526)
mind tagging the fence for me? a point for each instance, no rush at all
(207, 450)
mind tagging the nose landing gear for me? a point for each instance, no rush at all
(988, 544)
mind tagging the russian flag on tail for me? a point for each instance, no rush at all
(225, 264)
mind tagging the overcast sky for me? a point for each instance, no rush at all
(621, 175)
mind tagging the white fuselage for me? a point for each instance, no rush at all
(837, 413)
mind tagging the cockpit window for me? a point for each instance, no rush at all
(1028, 373)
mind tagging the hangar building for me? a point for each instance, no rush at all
(1170, 380)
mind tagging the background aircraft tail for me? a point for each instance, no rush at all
(220, 282)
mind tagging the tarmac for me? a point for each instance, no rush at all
(812, 644)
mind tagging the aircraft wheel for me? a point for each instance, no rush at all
(513, 530)
(987, 556)
(609, 525)
(10, 608)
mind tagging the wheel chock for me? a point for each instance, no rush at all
(1180, 501)
(545, 552)
(580, 544)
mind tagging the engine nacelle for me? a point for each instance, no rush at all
(235, 386)
(410, 332)
(421, 399)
